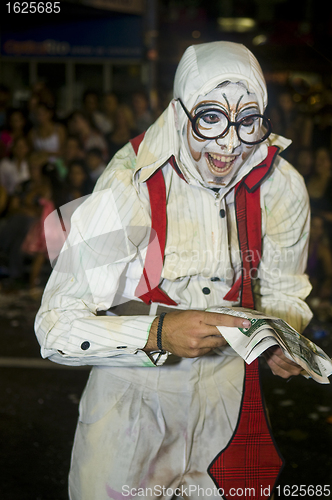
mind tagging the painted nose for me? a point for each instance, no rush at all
(230, 140)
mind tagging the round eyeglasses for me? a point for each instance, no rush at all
(213, 123)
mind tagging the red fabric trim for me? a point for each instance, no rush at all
(172, 161)
(257, 174)
(155, 255)
(136, 141)
(247, 200)
(233, 293)
(250, 460)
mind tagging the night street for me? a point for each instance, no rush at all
(40, 402)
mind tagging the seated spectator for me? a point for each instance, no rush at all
(26, 208)
(78, 182)
(73, 149)
(91, 110)
(4, 104)
(110, 104)
(319, 182)
(322, 122)
(319, 185)
(16, 127)
(289, 122)
(3, 202)
(142, 115)
(319, 266)
(15, 170)
(80, 126)
(47, 135)
(123, 129)
(303, 162)
(95, 163)
(39, 94)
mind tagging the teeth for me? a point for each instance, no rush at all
(224, 159)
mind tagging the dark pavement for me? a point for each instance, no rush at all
(39, 405)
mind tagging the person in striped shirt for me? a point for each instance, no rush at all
(151, 422)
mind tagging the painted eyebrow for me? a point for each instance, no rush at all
(238, 108)
(237, 104)
(209, 104)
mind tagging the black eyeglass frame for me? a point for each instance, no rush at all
(193, 121)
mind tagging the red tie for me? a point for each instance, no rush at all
(251, 459)
(250, 463)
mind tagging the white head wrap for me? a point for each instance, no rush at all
(201, 69)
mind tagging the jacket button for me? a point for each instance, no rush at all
(206, 290)
(85, 345)
(222, 213)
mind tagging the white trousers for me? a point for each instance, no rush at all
(152, 432)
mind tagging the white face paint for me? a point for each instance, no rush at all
(218, 160)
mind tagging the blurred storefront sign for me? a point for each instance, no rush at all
(119, 36)
(128, 6)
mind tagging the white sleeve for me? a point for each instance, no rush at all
(106, 231)
(283, 285)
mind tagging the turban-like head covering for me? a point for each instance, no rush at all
(203, 67)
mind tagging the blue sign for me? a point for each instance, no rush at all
(114, 37)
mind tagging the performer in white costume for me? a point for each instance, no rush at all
(150, 424)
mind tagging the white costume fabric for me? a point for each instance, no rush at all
(142, 427)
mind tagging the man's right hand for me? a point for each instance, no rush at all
(190, 334)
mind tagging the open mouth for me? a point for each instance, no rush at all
(220, 164)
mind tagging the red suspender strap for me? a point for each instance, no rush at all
(247, 201)
(136, 141)
(147, 289)
(251, 459)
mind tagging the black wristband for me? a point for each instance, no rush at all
(159, 330)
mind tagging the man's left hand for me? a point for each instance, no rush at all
(280, 364)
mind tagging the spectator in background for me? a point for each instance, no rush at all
(25, 208)
(4, 103)
(72, 149)
(322, 123)
(16, 127)
(47, 135)
(319, 266)
(3, 203)
(123, 129)
(303, 162)
(95, 163)
(319, 187)
(78, 182)
(319, 182)
(110, 104)
(289, 122)
(15, 170)
(142, 114)
(81, 127)
(39, 94)
(91, 110)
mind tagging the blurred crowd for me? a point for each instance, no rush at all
(303, 114)
(47, 161)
